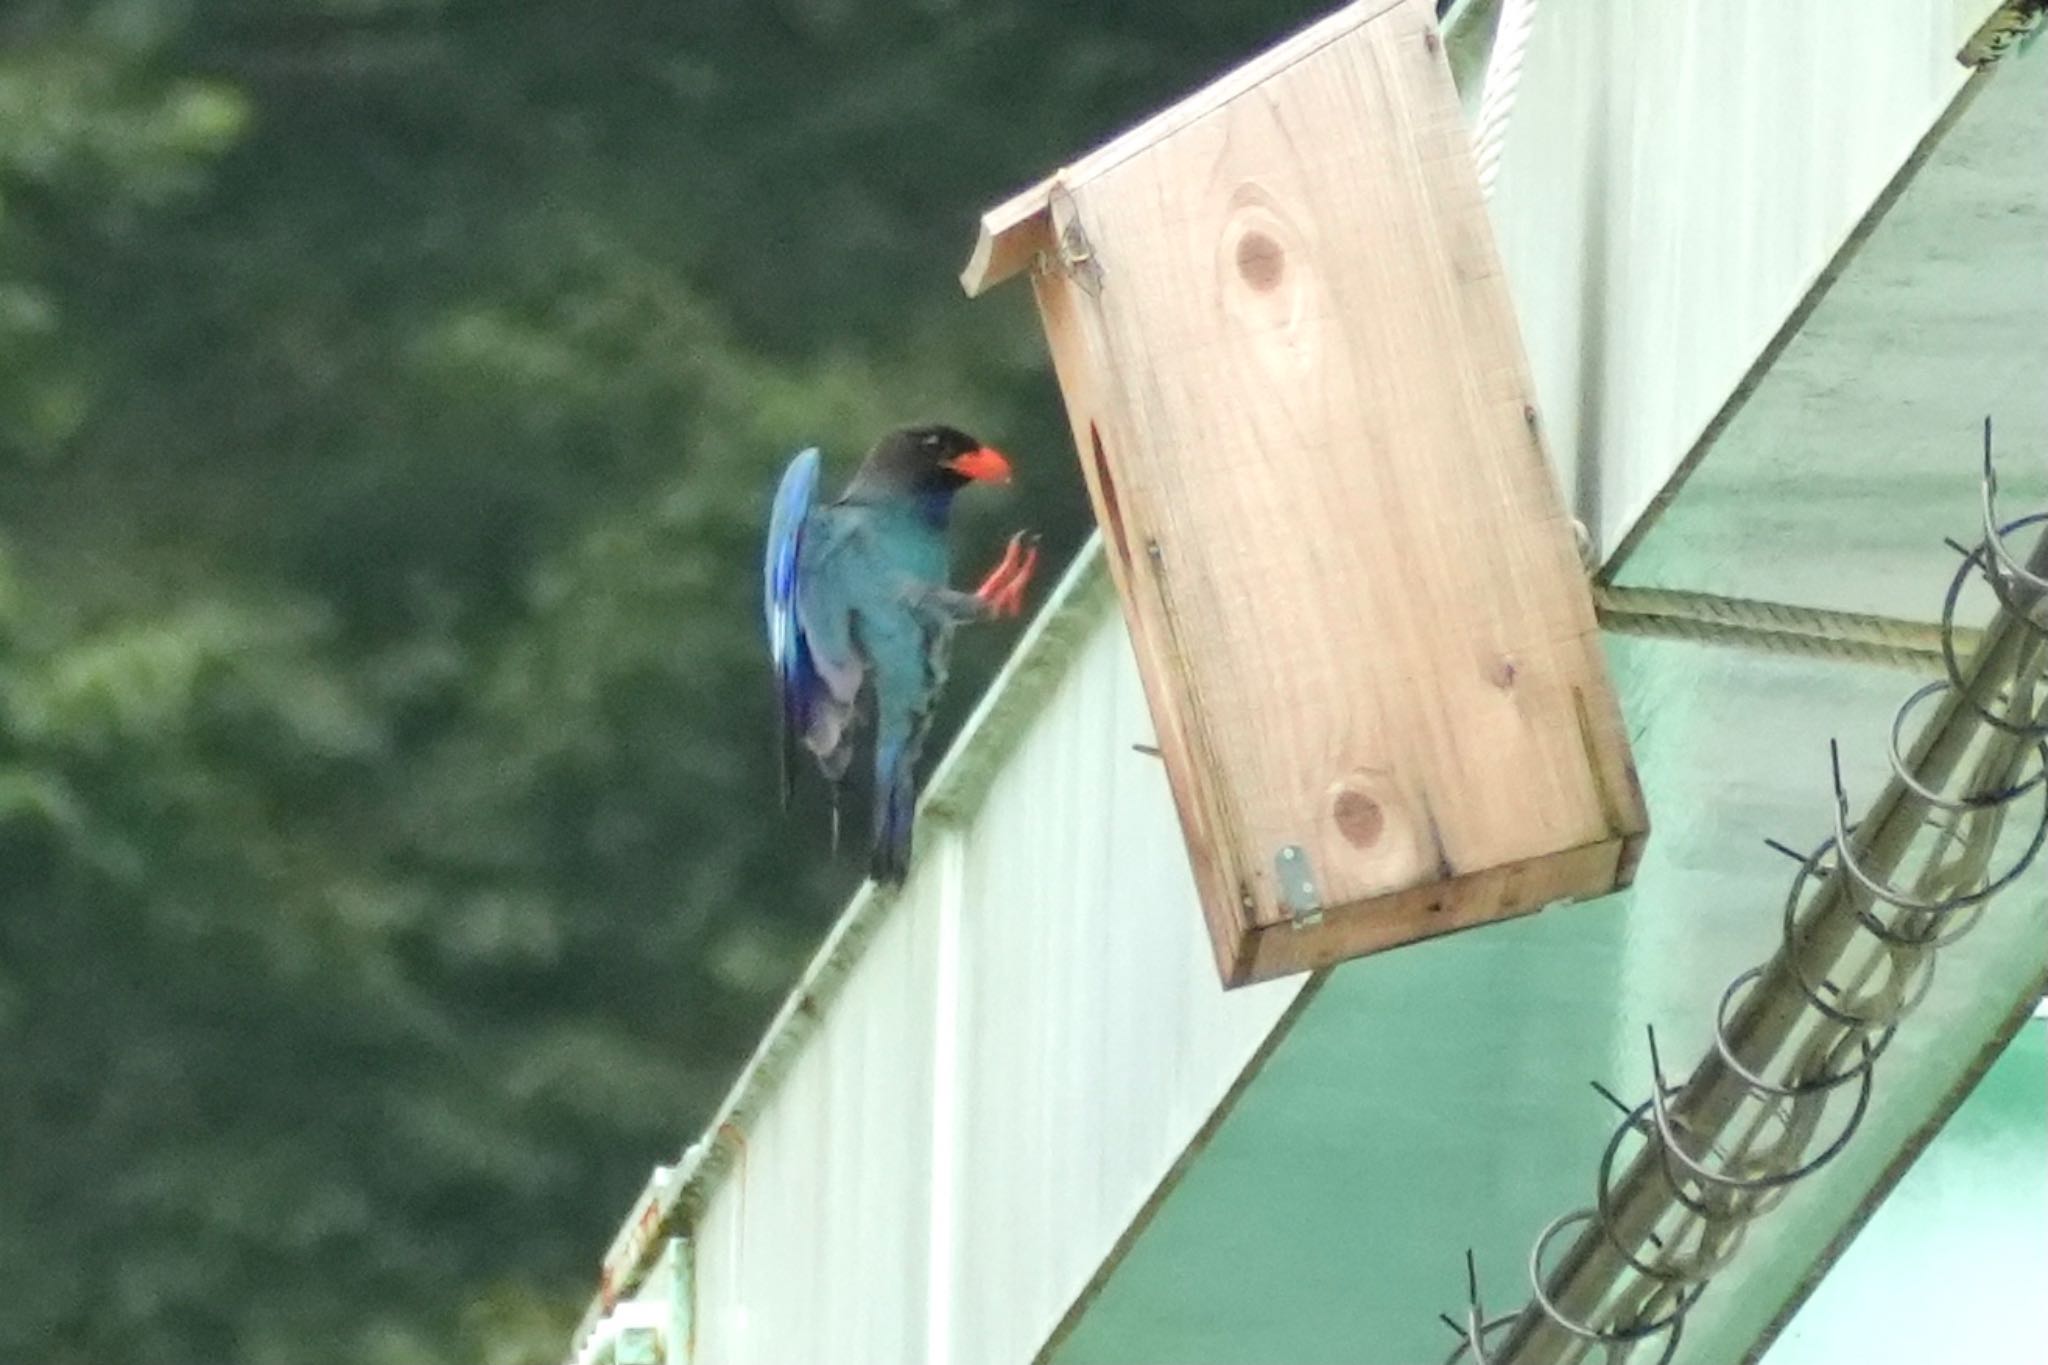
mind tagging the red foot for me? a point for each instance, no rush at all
(1003, 590)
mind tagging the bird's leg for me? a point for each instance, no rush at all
(947, 607)
(1013, 557)
(1002, 592)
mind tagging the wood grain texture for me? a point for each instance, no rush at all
(1307, 427)
(1433, 909)
(1015, 231)
(1081, 369)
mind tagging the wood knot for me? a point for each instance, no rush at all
(1359, 818)
(1260, 260)
(1265, 276)
(1502, 674)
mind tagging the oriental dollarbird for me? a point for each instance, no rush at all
(861, 613)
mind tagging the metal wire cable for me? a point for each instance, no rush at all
(1706, 1158)
(1777, 628)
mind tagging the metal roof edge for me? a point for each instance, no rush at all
(1021, 689)
(1016, 696)
(1013, 700)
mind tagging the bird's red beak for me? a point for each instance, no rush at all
(985, 465)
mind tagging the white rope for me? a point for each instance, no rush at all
(1503, 79)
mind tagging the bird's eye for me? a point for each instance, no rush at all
(930, 440)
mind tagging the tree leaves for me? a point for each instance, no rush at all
(390, 392)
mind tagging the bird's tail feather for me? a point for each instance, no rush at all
(785, 755)
(895, 807)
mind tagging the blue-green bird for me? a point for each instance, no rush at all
(860, 613)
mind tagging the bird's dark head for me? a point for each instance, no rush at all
(928, 464)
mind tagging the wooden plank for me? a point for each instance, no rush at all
(1307, 426)
(1433, 910)
(1080, 367)
(1015, 230)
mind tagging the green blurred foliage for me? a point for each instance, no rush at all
(389, 395)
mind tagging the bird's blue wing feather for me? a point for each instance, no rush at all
(797, 685)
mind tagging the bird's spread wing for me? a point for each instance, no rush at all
(797, 685)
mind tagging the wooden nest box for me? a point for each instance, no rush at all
(1307, 424)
